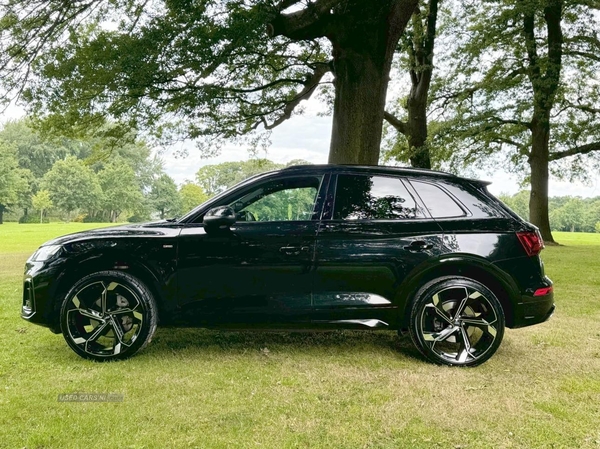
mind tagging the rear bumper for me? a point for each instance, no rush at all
(534, 309)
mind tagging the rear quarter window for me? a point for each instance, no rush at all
(438, 202)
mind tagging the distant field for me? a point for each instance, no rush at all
(209, 389)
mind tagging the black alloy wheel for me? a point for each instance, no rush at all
(456, 321)
(108, 315)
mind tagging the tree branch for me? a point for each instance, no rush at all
(582, 149)
(395, 122)
(309, 87)
(304, 24)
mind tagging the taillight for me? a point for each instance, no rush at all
(532, 242)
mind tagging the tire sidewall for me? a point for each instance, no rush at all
(422, 298)
(147, 305)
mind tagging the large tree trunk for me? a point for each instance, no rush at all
(538, 161)
(363, 47)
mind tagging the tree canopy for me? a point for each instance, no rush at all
(208, 70)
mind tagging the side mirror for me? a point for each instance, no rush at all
(217, 217)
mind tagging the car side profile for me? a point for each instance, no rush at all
(307, 247)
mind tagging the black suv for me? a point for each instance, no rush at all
(307, 247)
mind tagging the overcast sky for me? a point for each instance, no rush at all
(307, 137)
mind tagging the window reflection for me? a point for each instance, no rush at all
(361, 197)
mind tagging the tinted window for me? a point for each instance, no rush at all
(478, 205)
(438, 202)
(360, 197)
(291, 199)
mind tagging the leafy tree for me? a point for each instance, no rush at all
(417, 46)
(591, 215)
(597, 227)
(73, 185)
(216, 178)
(42, 202)
(519, 203)
(525, 81)
(120, 189)
(191, 195)
(570, 216)
(33, 152)
(164, 196)
(13, 180)
(206, 69)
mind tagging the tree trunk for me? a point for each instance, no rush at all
(538, 161)
(417, 128)
(41, 216)
(2, 209)
(363, 47)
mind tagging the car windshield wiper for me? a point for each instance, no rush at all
(171, 220)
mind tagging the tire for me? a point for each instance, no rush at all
(456, 321)
(108, 315)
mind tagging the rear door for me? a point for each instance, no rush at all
(375, 232)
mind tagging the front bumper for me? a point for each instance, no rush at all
(39, 284)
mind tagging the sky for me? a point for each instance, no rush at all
(307, 137)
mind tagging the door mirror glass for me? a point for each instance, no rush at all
(217, 217)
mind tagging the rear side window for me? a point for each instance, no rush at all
(476, 202)
(362, 197)
(438, 202)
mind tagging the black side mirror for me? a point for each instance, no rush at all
(217, 217)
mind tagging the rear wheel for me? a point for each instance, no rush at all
(108, 315)
(456, 321)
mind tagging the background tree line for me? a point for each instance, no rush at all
(101, 181)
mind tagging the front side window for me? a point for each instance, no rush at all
(291, 199)
(362, 197)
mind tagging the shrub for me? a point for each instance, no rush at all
(30, 219)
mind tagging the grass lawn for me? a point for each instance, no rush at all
(200, 388)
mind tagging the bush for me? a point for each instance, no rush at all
(598, 227)
(30, 219)
(137, 219)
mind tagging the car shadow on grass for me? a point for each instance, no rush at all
(172, 340)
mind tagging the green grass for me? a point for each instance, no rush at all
(200, 388)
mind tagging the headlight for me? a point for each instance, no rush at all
(44, 253)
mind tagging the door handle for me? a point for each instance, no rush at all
(293, 250)
(418, 245)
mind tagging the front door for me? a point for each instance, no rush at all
(259, 271)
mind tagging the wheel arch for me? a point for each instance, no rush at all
(84, 266)
(479, 269)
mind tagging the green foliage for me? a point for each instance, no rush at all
(518, 202)
(192, 69)
(164, 197)
(13, 180)
(216, 178)
(191, 195)
(30, 219)
(120, 189)
(73, 185)
(567, 213)
(498, 85)
(42, 202)
(597, 227)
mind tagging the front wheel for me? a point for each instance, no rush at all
(456, 321)
(108, 315)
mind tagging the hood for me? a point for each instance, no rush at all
(151, 229)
